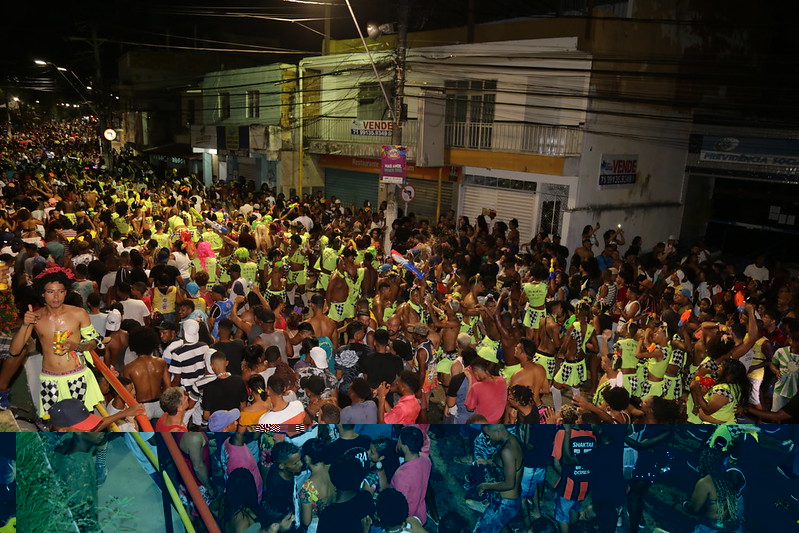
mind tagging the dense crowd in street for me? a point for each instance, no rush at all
(240, 303)
(231, 309)
(288, 311)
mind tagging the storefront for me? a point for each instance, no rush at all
(533, 203)
(743, 190)
(355, 180)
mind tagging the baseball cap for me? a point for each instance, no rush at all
(319, 357)
(219, 289)
(192, 289)
(113, 321)
(163, 256)
(219, 420)
(685, 292)
(73, 414)
(168, 325)
(191, 331)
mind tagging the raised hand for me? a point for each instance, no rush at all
(31, 317)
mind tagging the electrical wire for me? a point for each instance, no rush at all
(372, 62)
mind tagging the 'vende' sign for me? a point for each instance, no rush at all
(372, 128)
(618, 169)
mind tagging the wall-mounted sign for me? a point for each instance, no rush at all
(233, 140)
(780, 153)
(618, 169)
(372, 128)
(392, 164)
(110, 134)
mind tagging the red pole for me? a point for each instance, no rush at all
(191, 484)
(144, 422)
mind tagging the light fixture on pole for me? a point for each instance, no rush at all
(375, 30)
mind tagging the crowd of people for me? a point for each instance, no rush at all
(570, 478)
(271, 310)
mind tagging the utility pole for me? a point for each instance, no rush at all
(8, 113)
(99, 95)
(397, 115)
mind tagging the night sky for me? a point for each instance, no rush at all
(43, 30)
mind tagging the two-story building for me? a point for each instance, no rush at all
(247, 130)
(514, 126)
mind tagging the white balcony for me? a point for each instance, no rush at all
(515, 137)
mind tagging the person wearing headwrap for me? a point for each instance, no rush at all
(67, 336)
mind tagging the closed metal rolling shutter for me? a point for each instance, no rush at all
(247, 169)
(509, 204)
(424, 205)
(352, 188)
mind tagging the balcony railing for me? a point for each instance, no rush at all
(339, 129)
(515, 137)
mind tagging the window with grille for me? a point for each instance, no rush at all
(372, 103)
(471, 105)
(224, 106)
(253, 104)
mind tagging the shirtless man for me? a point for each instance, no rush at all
(323, 326)
(117, 344)
(338, 291)
(382, 306)
(470, 308)
(509, 335)
(509, 458)
(531, 375)
(369, 284)
(582, 253)
(449, 326)
(64, 371)
(149, 374)
(550, 338)
(413, 311)
(90, 197)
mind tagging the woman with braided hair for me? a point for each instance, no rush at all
(716, 496)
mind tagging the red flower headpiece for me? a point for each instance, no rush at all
(55, 269)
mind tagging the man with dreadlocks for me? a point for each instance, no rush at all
(717, 496)
(66, 335)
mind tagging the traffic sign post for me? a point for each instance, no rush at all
(408, 193)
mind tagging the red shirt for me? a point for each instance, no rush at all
(405, 412)
(161, 426)
(488, 398)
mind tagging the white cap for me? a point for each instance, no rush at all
(191, 331)
(113, 321)
(319, 357)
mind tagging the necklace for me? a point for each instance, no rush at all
(223, 374)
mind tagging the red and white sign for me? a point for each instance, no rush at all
(408, 193)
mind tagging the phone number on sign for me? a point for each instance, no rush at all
(371, 133)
